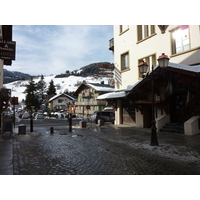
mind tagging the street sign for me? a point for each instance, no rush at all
(14, 100)
(7, 49)
(88, 107)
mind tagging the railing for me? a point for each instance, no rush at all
(98, 103)
(86, 94)
(85, 112)
(111, 44)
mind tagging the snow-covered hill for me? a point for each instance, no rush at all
(62, 84)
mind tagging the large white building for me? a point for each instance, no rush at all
(133, 44)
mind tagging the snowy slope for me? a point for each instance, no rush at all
(69, 83)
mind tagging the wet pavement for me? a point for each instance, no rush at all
(6, 156)
(106, 150)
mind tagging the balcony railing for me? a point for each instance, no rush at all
(97, 103)
(85, 112)
(111, 44)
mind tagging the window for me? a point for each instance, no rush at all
(60, 100)
(144, 31)
(180, 39)
(124, 61)
(123, 28)
(151, 60)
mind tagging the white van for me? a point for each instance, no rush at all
(59, 115)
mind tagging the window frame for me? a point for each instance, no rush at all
(60, 100)
(145, 31)
(174, 40)
(122, 30)
(122, 67)
(147, 59)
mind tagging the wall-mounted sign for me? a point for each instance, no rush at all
(7, 49)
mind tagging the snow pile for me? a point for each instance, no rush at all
(181, 153)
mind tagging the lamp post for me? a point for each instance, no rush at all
(163, 61)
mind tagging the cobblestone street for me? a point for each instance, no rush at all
(108, 150)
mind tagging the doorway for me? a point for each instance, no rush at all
(179, 109)
(147, 116)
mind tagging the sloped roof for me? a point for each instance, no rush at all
(101, 87)
(112, 95)
(59, 95)
(186, 69)
(96, 86)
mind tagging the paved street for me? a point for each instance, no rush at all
(107, 150)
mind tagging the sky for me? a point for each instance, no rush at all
(53, 49)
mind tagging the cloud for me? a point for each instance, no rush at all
(55, 49)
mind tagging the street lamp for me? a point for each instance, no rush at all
(163, 61)
(143, 67)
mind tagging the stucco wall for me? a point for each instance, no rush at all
(157, 44)
(139, 119)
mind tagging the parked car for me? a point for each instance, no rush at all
(39, 116)
(106, 116)
(26, 115)
(111, 109)
(59, 115)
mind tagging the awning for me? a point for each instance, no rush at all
(112, 95)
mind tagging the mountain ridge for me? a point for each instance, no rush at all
(88, 70)
(11, 76)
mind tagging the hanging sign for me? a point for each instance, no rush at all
(7, 49)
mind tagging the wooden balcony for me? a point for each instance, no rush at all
(85, 112)
(111, 44)
(94, 103)
(86, 94)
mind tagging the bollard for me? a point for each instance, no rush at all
(70, 122)
(82, 124)
(51, 130)
(100, 122)
(31, 123)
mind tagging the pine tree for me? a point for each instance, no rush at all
(31, 96)
(40, 88)
(51, 89)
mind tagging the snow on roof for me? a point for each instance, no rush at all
(112, 95)
(195, 68)
(58, 95)
(101, 87)
(130, 87)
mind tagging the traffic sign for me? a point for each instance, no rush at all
(14, 100)
(88, 107)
